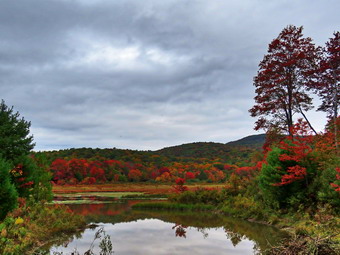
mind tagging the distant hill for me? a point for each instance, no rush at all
(237, 152)
(256, 141)
(195, 150)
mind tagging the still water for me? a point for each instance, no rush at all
(161, 232)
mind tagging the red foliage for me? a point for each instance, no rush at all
(230, 167)
(189, 175)
(295, 173)
(328, 143)
(180, 230)
(59, 168)
(283, 79)
(97, 173)
(18, 173)
(163, 170)
(21, 202)
(298, 148)
(60, 182)
(179, 187)
(327, 85)
(80, 166)
(89, 180)
(244, 171)
(27, 184)
(135, 175)
(180, 181)
(334, 185)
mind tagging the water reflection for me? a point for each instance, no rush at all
(180, 230)
(162, 232)
(105, 245)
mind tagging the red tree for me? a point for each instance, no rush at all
(59, 168)
(179, 187)
(135, 175)
(283, 80)
(97, 173)
(327, 86)
(189, 175)
(78, 166)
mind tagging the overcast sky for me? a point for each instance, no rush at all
(144, 74)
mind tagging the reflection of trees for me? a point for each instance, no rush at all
(235, 238)
(203, 231)
(105, 245)
(180, 230)
(105, 212)
(236, 229)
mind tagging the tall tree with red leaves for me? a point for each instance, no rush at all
(328, 82)
(283, 80)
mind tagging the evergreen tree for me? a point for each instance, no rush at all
(8, 193)
(15, 139)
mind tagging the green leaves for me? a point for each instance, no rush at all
(15, 140)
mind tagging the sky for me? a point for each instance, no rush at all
(144, 75)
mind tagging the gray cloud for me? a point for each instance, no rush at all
(143, 74)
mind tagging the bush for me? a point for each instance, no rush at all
(278, 195)
(327, 193)
(198, 196)
(8, 193)
(34, 179)
(33, 224)
(244, 207)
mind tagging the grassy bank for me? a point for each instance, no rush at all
(146, 188)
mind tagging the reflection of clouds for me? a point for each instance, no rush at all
(153, 236)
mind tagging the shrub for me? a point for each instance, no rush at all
(277, 194)
(31, 178)
(198, 196)
(327, 193)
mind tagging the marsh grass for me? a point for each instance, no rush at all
(173, 206)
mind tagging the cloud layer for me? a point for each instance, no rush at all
(143, 74)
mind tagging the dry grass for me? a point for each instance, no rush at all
(145, 188)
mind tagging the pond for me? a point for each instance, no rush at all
(132, 231)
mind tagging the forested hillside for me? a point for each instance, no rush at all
(212, 162)
(235, 152)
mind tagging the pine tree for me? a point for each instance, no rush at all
(15, 140)
(8, 193)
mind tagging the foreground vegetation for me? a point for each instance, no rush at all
(26, 221)
(33, 225)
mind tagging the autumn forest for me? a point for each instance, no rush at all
(288, 177)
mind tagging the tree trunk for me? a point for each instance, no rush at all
(305, 117)
(335, 116)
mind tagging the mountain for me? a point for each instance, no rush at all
(256, 141)
(235, 152)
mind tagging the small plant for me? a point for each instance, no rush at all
(105, 245)
(179, 187)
